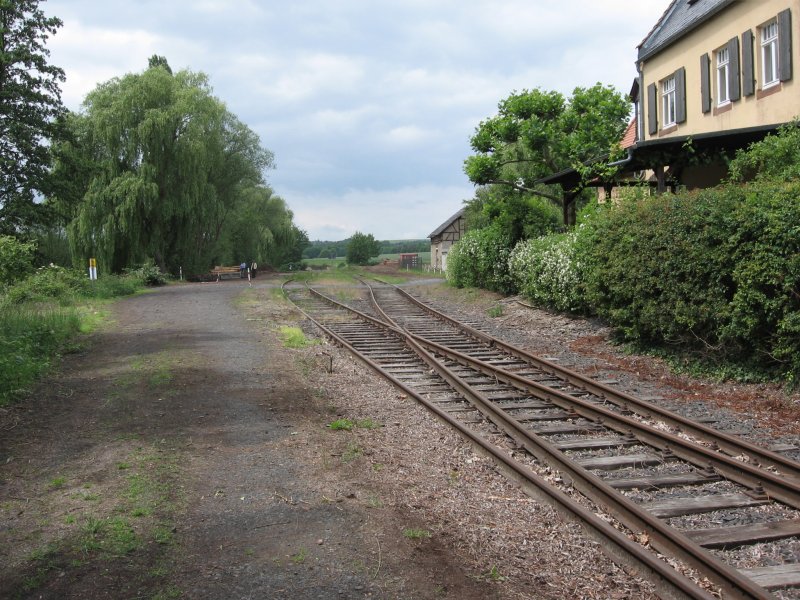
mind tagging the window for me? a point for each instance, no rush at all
(668, 101)
(723, 77)
(769, 55)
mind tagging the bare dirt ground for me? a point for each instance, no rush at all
(186, 453)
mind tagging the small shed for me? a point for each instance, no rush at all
(409, 261)
(443, 238)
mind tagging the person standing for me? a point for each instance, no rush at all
(242, 269)
(254, 269)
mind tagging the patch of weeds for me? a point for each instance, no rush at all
(341, 425)
(123, 466)
(493, 574)
(495, 311)
(163, 535)
(45, 562)
(373, 501)
(158, 571)
(293, 337)
(377, 467)
(70, 520)
(109, 537)
(300, 557)
(453, 477)
(416, 534)
(367, 424)
(249, 552)
(353, 452)
(58, 482)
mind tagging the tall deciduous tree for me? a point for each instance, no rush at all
(30, 106)
(174, 164)
(538, 133)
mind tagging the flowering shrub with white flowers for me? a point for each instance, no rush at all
(546, 270)
(480, 259)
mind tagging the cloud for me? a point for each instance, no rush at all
(403, 213)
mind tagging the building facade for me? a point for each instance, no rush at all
(718, 71)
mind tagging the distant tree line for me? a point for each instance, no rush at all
(327, 249)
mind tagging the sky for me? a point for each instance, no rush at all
(368, 107)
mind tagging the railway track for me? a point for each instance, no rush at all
(667, 481)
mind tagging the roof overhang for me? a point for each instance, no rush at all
(650, 153)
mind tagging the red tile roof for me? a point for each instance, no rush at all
(629, 137)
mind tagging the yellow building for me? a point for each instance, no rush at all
(717, 73)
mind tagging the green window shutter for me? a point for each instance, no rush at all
(680, 95)
(652, 109)
(705, 83)
(734, 76)
(785, 45)
(748, 65)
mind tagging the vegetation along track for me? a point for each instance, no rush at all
(669, 483)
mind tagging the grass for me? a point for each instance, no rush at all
(41, 318)
(293, 337)
(495, 311)
(300, 557)
(349, 425)
(416, 534)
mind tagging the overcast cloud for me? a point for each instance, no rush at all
(368, 106)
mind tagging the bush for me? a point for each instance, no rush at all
(715, 272)
(480, 259)
(149, 274)
(50, 284)
(16, 259)
(547, 272)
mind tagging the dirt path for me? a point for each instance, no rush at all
(179, 455)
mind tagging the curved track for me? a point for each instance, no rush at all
(615, 450)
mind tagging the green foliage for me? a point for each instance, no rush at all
(30, 111)
(293, 337)
(16, 259)
(520, 216)
(480, 259)
(776, 157)
(162, 166)
(50, 285)
(547, 272)
(149, 274)
(29, 338)
(537, 133)
(342, 425)
(38, 317)
(361, 247)
(716, 272)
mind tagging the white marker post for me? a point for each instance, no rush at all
(93, 269)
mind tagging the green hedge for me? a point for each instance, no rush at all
(715, 271)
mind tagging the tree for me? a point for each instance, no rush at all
(361, 247)
(172, 166)
(30, 107)
(538, 133)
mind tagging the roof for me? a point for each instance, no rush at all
(681, 17)
(629, 137)
(447, 223)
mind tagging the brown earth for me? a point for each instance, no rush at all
(185, 452)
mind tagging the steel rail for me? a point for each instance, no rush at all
(663, 537)
(623, 550)
(729, 444)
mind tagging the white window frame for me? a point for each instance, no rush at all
(770, 74)
(669, 101)
(723, 76)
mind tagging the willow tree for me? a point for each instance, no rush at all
(171, 165)
(262, 229)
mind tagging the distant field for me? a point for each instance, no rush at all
(424, 257)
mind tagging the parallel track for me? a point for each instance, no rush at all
(586, 431)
